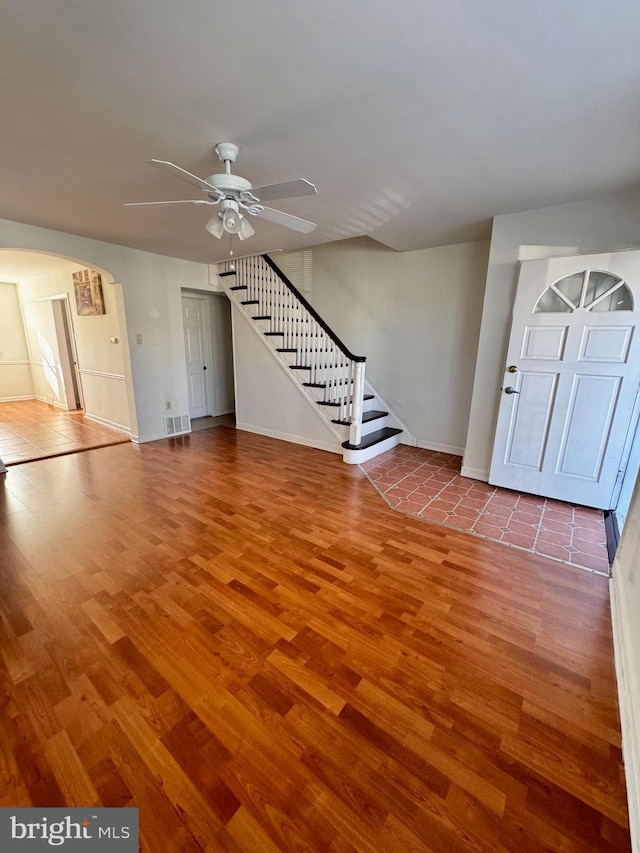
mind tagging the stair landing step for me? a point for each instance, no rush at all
(372, 415)
(372, 438)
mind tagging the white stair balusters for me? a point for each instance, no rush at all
(288, 317)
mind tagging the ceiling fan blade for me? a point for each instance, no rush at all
(286, 189)
(286, 219)
(172, 169)
(198, 201)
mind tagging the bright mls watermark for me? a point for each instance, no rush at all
(103, 830)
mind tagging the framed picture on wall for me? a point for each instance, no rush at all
(87, 285)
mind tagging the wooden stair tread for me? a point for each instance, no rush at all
(340, 402)
(367, 417)
(373, 438)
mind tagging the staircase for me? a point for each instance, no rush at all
(326, 372)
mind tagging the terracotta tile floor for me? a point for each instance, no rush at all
(428, 484)
(32, 430)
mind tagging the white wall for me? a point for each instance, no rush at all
(600, 225)
(151, 287)
(15, 372)
(416, 317)
(267, 400)
(625, 607)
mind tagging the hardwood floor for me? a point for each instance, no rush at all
(239, 636)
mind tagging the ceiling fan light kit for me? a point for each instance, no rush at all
(236, 197)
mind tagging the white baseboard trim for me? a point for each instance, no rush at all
(56, 403)
(475, 473)
(112, 424)
(440, 448)
(294, 439)
(629, 703)
(153, 436)
(14, 399)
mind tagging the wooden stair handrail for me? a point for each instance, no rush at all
(312, 311)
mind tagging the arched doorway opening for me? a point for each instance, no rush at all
(65, 376)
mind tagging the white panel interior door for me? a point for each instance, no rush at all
(196, 343)
(571, 378)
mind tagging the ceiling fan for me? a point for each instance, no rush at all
(237, 197)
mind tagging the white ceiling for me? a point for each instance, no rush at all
(419, 120)
(16, 265)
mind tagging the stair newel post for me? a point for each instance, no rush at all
(355, 431)
(347, 397)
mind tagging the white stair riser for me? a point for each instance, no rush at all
(374, 426)
(357, 457)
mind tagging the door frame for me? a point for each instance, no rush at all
(68, 352)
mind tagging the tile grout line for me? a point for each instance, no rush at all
(540, 510)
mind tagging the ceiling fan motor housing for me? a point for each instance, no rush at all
(233, 184)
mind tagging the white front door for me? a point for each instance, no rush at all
(571, 377)
(195, 341)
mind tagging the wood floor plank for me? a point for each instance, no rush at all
(239, 637)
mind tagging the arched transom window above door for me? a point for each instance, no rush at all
(591, 290)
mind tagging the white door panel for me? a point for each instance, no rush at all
(573, 367)
(196, 331)
(197, 394)
(530, 417)
(194, 344)
(605, 343)
(544, 344)
(587, 426)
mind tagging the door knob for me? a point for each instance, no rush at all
(510, 390)
(512, 368)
